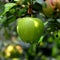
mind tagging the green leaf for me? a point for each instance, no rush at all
(8, 6)
(58, 57)
(54, 51)
(16, 0)
(22, 12)
(41, 39)
(19, 1)
(11, 19)
(1, 8)
(2, 19)
(32, 49)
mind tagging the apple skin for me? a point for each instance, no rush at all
(30, 29)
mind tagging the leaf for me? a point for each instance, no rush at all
(22, 12)
(16, 0)
(32, 49)
(58, 20)
(45, 23)
(40, 1)
(41, 38)
(2, 19)
(8, 6)
(58, 57)
(54, 50)
(19, 1)
(1, 8)
(11, 19)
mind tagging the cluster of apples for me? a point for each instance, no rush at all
(13, 51)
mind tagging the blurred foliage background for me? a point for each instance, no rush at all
(12, 47)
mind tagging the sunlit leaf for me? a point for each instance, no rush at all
(8, 6)
(40, 1)
(19, 1)
(41, 39)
